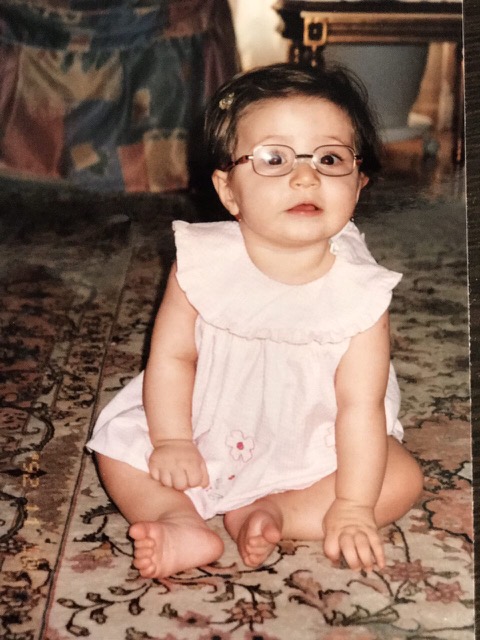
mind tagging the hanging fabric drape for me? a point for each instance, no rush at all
(105, 94)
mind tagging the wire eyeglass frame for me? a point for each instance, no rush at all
(292, 158)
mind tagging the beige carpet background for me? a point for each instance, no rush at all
(79, 285)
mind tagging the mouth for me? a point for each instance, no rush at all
(305, 209)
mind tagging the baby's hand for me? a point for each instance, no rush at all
(351, 531)
(178, 464)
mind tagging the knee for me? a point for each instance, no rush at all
(415, 480)
(102, 464)
(404, 477)
(411, 479)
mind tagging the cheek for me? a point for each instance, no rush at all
(345, 195)
(256, 193)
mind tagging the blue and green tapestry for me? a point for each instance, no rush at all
(105, 94)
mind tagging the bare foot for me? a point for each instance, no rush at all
(257, 537)
(167, 546)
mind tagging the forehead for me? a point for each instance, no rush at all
(291, 116)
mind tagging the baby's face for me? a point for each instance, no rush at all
(303, 206)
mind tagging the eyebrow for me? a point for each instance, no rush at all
(288, 141)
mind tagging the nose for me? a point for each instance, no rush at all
(304, 174)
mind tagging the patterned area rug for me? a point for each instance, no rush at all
(78, 291)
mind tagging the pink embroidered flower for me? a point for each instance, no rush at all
(240, 446)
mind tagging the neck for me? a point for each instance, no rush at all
(290, 264)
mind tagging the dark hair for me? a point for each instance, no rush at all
(335, 84)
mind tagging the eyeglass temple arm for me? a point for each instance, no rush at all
(241, 160)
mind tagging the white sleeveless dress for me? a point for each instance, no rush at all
(264, 405)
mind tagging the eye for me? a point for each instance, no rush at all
(330, 159)
(274, 159)
(334, 156)
(273, 156)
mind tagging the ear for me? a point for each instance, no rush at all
(363, 180)
(221, 182)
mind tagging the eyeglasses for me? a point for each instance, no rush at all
(278, 160)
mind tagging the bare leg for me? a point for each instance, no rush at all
(298, 515)
(168, 533)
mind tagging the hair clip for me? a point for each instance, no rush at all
(226, 102)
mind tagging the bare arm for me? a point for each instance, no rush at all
(168, 390)
(361, 443)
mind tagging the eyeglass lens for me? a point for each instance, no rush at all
(278, 160)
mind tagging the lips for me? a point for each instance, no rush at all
(305, 208)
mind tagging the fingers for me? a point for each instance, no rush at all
(356, 551)
(176, 479)
(360, 550)
(331, 548)
(154, 472)
(181, 477)
(204, 477)
(197, 475)
(179, 465)
(376, 546)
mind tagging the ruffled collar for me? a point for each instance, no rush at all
(232, 294)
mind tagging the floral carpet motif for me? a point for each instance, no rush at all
(76, 305)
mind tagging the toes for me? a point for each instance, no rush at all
(142, 553)
(258, 539)
(257, 550)
(249, 561)
(254, 559)
(138, 531)
(272, 534)
(146, 543)
(257, 542)
(143, 564)
(148, 572)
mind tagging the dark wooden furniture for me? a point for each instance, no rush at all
(311, 25)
